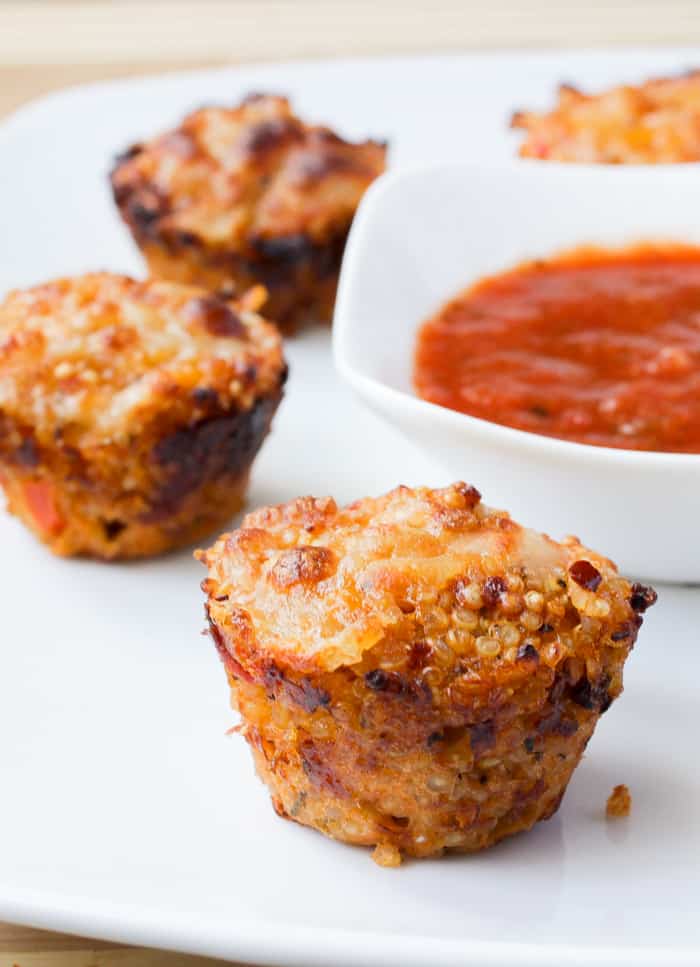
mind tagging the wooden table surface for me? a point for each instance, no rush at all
(47, 44)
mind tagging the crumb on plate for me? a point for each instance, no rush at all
(619, 802)
(386, 854)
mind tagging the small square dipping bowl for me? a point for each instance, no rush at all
(419, 238)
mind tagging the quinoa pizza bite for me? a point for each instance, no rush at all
(130, 412)
(416, 672)
(656, 122)
(245, 195)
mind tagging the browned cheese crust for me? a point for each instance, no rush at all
(246, 195)
(417, 671)
(130, 412)
(657, 122)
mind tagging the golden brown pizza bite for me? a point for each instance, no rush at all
(416, 672)
(657, 122)
(245, 195)
(130, 412)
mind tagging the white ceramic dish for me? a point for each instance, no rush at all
(419, 238)
(125, 811)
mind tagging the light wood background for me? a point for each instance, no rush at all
(47, 44)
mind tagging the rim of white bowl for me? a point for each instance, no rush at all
(369, 386)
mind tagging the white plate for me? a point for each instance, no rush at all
(124, 810)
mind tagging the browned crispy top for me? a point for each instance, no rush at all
(102, 354)
(653, 123)
(312, 585)
(237, 178)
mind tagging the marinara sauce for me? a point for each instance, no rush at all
(595, 346)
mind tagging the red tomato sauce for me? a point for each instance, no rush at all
(595, 346)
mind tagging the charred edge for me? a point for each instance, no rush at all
(523, 797)
(254, 96)
(204, 396)
(77, 468)
(592, 695)
(434, 738)
(303, 693)
(624, 631)
(27, 453)
(265, 136)
(113, 528)
(628, 630)
(318, 770)
(123, 156)
(394, 685)
(213, 448)
(280, 259)
(493, 588)
(556, 723)
(145, 213)
(380, 681)
(329, 136)
(482, 736)
(142, 208)
(186, 239)
(471, 495)
(288, 249)
(554, 806)
(642, 597)
(216, 317)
